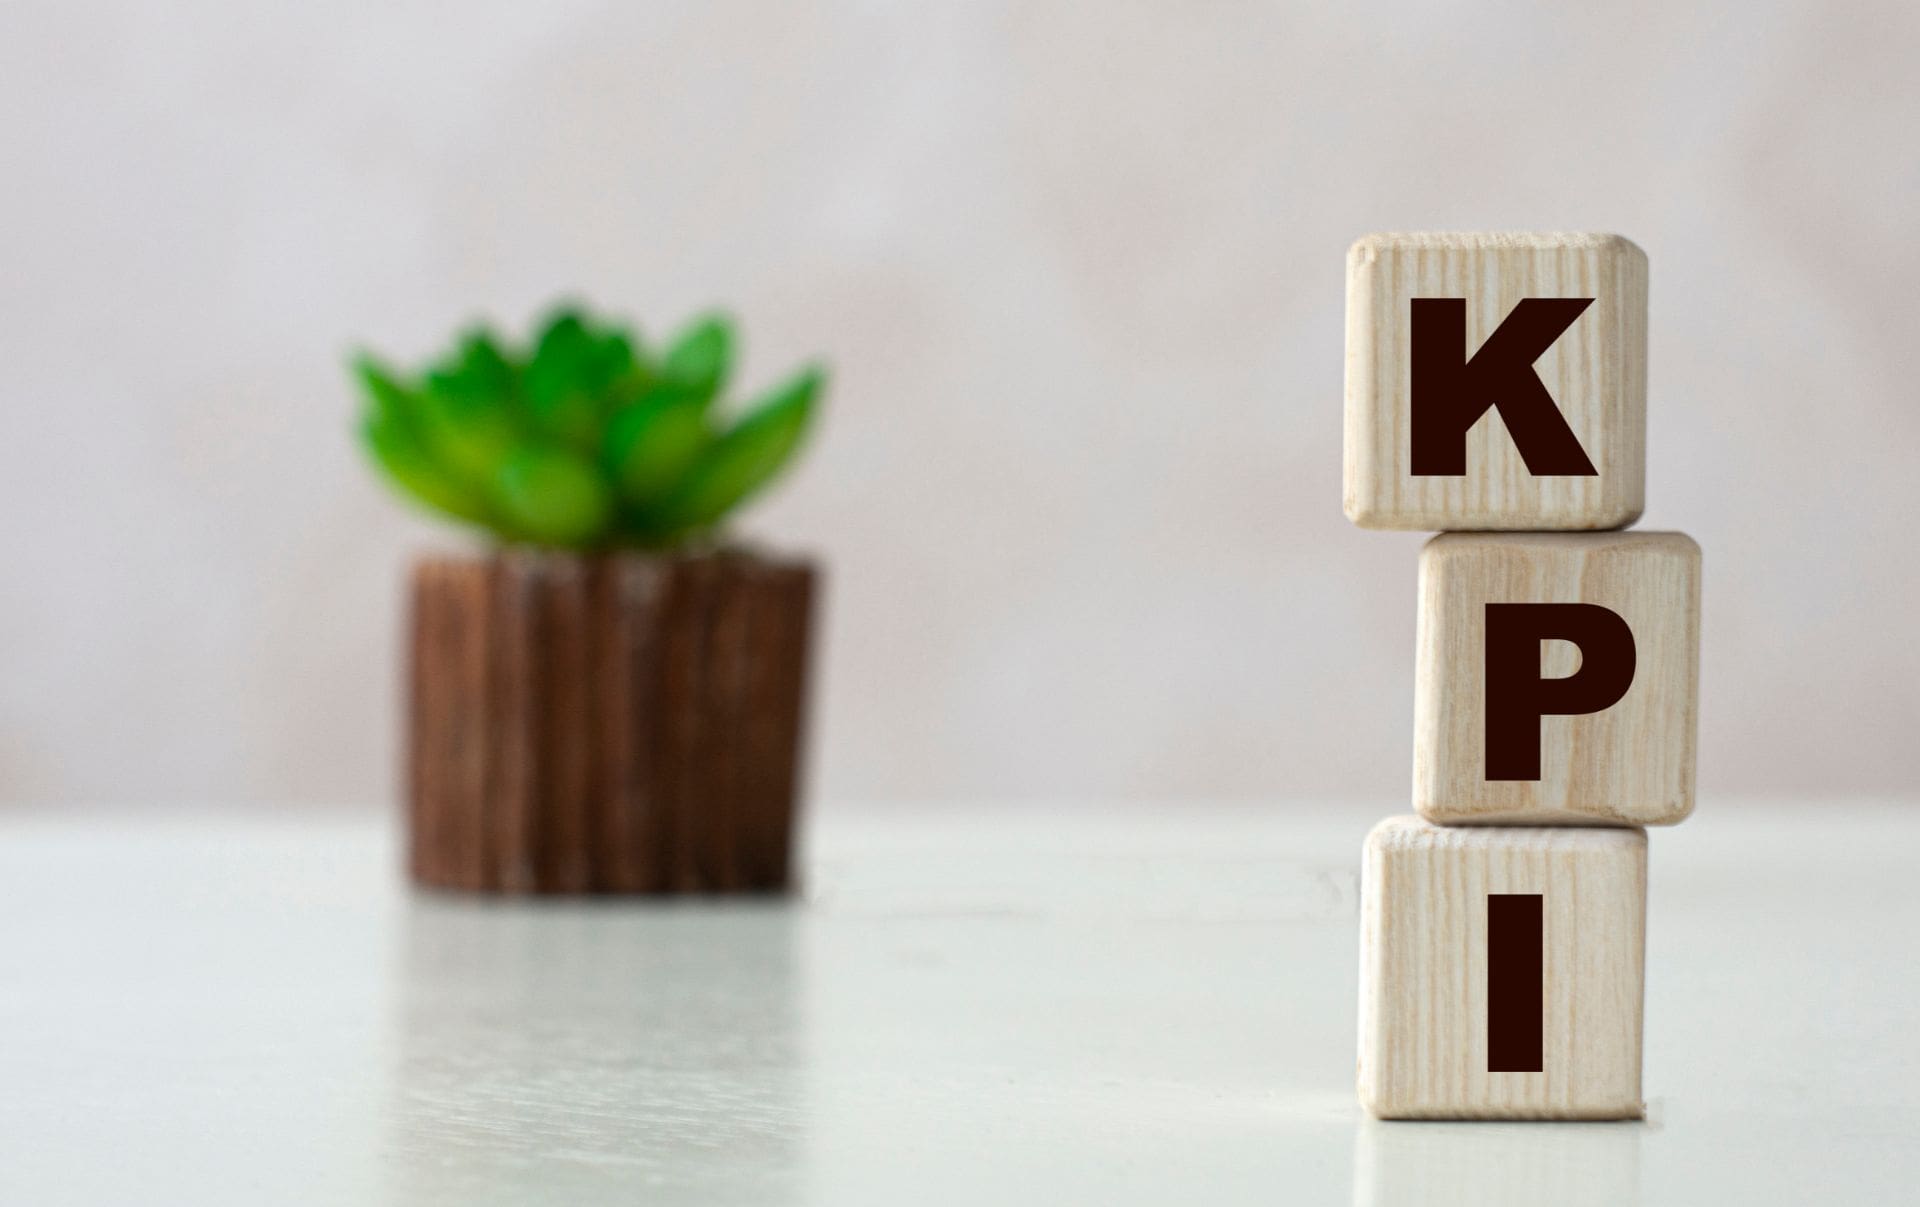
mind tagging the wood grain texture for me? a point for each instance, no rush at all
(1596, 372)
(618, 724)
(1629, 764)
(1423, 970)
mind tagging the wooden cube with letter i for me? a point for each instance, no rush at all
(1501, 971)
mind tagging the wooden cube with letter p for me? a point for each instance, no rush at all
(1496, 381)
(1556, 678)
(1501, 971)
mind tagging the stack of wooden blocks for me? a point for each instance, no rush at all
(1496, 392)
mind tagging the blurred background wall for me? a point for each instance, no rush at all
(1079, 269)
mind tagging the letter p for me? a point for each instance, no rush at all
(1516, 694)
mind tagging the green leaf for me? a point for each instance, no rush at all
(391, 429)
(553, 497)
(382, 387)
(617, 359)
(477, 369)
(561, 383)
(653, 443)
(746, 458)
(399, 453)
(560, 355)
(698, 361)
(467, 416)
(470, 437)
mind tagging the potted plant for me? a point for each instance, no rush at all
(609, 697)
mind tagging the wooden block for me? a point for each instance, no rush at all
(1501, 972)
(1608, 723)
(1588, 381)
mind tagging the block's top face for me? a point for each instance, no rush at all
(1411, 834)
(1382, 242)
(1564, 549)
(1630, 762)
(1589, 363)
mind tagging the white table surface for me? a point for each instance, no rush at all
(995, 1006)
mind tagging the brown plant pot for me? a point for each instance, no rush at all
(606, 724)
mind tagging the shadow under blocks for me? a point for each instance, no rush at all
(1496, 393)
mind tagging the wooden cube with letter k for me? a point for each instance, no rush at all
(1496, 381)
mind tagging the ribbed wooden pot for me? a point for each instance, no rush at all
(606, 724)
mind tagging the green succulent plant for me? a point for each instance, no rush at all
(585, 439)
